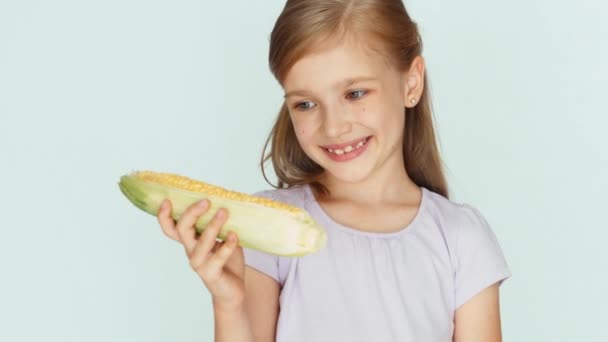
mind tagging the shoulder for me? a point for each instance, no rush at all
(453, 216)
(474, 250)
(462, 226)
(475, 254)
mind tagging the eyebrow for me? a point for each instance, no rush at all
(344, 83)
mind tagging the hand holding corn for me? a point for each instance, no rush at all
(192, 207)
(220, 265)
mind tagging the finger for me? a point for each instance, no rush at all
(167, 223)
(208, 238)
(184, 227)
(215, 264)
(200, 255)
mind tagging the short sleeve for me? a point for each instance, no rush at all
(263, 262)
(480, 260)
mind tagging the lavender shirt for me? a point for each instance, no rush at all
(365, 286)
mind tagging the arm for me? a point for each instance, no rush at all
(478, 320)
(262, 304)
(232, 325)
(256, 320)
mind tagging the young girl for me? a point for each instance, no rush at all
(354, 146)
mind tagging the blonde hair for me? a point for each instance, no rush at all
(311, 23)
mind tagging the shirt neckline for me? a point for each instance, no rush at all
(330, 221)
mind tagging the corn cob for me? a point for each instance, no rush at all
(262, 224)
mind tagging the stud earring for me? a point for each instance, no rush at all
(413, 101)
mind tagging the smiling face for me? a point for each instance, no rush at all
(347, 107)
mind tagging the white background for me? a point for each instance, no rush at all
(90, 90)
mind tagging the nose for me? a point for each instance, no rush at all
(336, 122)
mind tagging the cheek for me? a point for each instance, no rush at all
(395, 123)
(303, 128)
(301, 132)
(305, 136)
(384, 119)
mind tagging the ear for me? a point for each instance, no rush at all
(414, 82)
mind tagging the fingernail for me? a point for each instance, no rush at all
(163, 205)
(232, 238)
(202, 203)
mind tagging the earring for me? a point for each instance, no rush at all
(413, 101)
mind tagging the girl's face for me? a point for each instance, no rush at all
(349, 97)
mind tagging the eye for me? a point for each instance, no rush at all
(358, 94)
(300, 106)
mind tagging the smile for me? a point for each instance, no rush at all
(349, 148)
(348, 152)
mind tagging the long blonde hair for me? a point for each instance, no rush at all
(309, 23)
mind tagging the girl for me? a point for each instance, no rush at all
(354, 146)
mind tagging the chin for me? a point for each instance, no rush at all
(349, 173)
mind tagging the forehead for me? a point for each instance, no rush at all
(328, 67)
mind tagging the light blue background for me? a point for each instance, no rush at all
(90, 90)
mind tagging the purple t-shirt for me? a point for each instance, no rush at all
(400, 286)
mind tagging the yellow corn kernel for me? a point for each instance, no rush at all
(185, 183)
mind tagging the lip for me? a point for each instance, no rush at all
(348, 156)
(342, 146)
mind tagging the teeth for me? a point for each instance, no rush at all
(348, 149)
